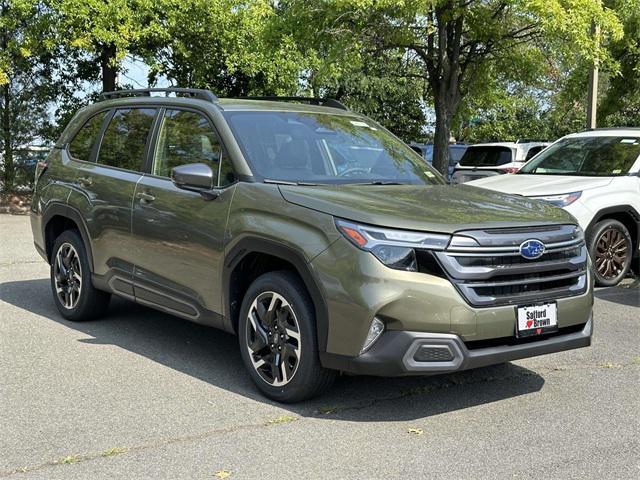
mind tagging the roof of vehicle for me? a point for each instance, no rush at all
(608, 132)
(175, 95)
(240, 104)
(497, 144)
(510, 144)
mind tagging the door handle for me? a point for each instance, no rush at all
(146, 197)
(85, 181)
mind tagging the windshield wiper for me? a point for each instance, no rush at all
(286, 182)
(380, 182)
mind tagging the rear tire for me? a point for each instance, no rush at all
(73, 292)
(611, 250)
(278, 340)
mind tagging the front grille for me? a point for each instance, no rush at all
(488, 270)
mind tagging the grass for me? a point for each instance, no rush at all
(282, 419)
(327, 410)
(610, 365)
(222, 474)
(110, 452)
(68, 460)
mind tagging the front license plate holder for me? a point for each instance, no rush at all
(538, 319)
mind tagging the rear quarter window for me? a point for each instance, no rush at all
(82, 144)
(125, 139)
(486, 157)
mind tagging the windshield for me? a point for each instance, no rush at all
(486, 157)
(586, 156)
(325, 148)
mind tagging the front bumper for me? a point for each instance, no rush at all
(399, 353)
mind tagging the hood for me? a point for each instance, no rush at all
(536, 185)
(436, 208)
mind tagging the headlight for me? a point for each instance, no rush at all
(394, 248)
(561, 200)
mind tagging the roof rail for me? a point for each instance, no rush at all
(324, 102)
(199, 93)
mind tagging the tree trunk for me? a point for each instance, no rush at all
(7, 140)
(442, 135)
(108, 67)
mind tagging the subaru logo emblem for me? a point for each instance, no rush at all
(532, 249)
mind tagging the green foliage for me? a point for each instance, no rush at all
(234, 48)
(620, 105)
(28, 60)
(487, 69)
(459, 43)
(107, 30)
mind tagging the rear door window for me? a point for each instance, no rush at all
(486, 156)
(82, 144)
(125, 140)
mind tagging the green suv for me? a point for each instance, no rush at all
(320, 239)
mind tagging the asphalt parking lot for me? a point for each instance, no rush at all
(140, 394)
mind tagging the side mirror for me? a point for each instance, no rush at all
(193, 176)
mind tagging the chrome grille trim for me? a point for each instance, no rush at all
(515, 250)
(503, 277)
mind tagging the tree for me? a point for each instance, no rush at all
(27, 60)
(105, 32)
(456, 40)
(620, 104)
(376, 89)
(234, 48)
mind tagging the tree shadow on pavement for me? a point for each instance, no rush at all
(212, 356)
(629, 295)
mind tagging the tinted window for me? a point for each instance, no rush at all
(82, 144)
(533, 151)
(486, 156)
(455, 154)
(125, 138)
(586, 156)
(227, 177)
(186, 137)
(325, 148)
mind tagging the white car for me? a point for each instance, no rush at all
(595, 176)
(491, 159)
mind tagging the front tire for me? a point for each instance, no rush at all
(611, 250)
(73, 292)
(278, 341)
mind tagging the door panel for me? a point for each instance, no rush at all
(104, 188)
(103, 195)
(179, 238)
(179, 235)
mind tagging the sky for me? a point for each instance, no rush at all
(135, 72)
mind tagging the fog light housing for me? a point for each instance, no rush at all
(375, 330)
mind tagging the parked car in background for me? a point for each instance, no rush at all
(25, 160)
(456, 150)
(595, 176)
(308, 230)
(491, 159)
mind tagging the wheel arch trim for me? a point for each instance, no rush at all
(626, 209)
(63, 210)
(253, 244)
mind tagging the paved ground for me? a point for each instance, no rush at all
(140, 394)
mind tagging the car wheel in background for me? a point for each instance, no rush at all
(611, 250)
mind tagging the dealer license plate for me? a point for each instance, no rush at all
(537, 319)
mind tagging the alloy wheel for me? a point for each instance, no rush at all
(67, 272)
(612, 253)
(273, 338)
